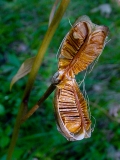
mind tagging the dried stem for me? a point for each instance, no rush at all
(46, 41)
(41, 100)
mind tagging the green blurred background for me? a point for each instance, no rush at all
(22, 27)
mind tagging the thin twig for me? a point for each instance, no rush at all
(41, 100)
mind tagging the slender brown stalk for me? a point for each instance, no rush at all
(46, 41)
(37, 105)
(49, 34)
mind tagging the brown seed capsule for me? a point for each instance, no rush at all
(71, 112)
(81, 46)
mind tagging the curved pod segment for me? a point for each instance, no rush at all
(71, 112)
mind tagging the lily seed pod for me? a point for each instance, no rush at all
(71, 112)
(81, 46)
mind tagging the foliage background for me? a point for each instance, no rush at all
(22, 28)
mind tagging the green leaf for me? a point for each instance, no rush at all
(24, 69)
(18, 153)
(2, 109)
(4, 141)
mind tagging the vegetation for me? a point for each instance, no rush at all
(22, 29)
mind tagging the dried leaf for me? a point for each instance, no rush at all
(53, 11)
(71, 112)
(24, 69)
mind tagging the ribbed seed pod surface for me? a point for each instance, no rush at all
(81, 46)
(71, 112)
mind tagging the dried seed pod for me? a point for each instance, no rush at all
(81, 47)
(71, 112)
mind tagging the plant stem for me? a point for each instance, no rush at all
(41, 100)
(15, 132)
(46, 41)
(49, 34)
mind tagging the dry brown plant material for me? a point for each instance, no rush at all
(81, 46)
